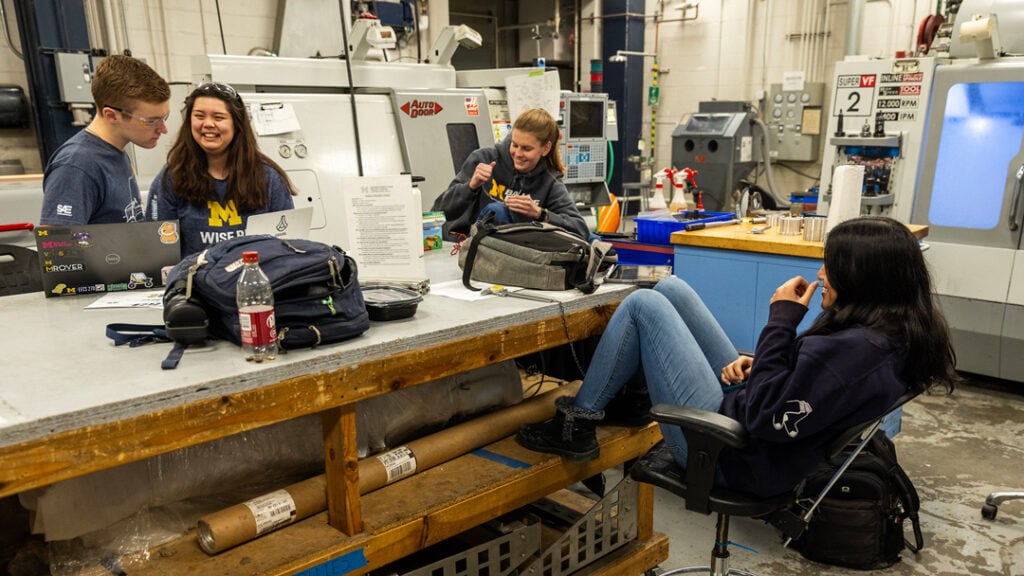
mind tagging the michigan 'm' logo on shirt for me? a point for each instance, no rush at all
(221, 215)
(497, 191)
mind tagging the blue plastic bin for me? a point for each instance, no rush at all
(659, 230)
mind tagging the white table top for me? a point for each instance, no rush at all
(59, 372)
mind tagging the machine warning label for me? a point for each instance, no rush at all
(904, 90)
(416, 108)
(896, 103)
(472, 106)
(902, 78)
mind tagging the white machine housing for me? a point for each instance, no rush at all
(889, 94)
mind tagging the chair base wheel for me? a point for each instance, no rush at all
(988, 511)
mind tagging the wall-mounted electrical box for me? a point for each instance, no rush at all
(74, 76)
(794, 119)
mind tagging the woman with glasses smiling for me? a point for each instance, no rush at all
(89, 179)
(216, 175)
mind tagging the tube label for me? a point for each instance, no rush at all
(271, 511)
(398, 463)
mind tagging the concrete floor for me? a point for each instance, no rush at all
(956, 449)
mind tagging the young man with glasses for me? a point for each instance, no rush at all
(89, 179)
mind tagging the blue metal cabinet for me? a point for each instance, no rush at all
(737, 286)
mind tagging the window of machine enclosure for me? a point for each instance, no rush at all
(982, 131)
(462, 141)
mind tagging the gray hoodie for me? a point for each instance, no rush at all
(543, 184)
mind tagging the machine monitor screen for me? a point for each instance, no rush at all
(708, 123)
(982, 128)
(586, 119)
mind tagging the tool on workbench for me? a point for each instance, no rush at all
(499, 290)
(702, 225)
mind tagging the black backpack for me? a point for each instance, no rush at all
(317, 298)
(860, 522)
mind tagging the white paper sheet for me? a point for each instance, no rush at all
(274, 118)
(130, 299)
(533, 90)
(384, 227)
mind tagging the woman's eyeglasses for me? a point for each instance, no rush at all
(216, 88)
(145, 122)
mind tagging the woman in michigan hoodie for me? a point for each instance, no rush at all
(519, 179)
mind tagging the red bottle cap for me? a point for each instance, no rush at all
(250, 257)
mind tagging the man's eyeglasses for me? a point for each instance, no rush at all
(216, 88)
(146, 122)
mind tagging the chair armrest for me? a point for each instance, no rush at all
(707, 433)
(721, 428)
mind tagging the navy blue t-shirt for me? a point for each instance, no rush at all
(204, 226)
(90, 181)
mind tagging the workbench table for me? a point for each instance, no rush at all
(71, 403)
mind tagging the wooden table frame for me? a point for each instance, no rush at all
(333, 392)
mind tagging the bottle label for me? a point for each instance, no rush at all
(257, 325)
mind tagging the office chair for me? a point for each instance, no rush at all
(992, 502)
(707, 433)
(19, 270)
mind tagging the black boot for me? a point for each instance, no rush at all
(631, 407)
(569, 434)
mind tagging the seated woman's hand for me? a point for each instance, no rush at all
(795, 289)
(481, 175)
(524, 205)
(737, 371)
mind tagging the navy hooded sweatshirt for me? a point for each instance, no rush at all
(462, 205)
(801, 393)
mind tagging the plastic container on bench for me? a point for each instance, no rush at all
(657, 227)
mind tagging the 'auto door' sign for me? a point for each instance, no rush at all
(418, 108)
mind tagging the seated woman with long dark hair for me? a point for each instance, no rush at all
(878, 335)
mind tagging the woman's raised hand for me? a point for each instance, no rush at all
(796, 289)
(481, 175)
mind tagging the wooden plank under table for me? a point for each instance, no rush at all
(425, 509)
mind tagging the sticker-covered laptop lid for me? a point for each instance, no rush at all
(98, 258)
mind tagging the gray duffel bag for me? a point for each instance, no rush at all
(532, 255)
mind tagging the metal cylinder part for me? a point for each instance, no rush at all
(790, 225)
(814, 229)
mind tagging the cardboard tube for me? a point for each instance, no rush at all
(243, 522)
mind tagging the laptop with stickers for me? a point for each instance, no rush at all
(293, 223)
(99, 258)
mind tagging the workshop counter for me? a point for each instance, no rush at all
(739, 238)
(736, 273)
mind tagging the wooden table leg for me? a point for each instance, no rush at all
(341, 460)
(645, 512)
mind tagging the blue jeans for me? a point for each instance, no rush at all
(671, 334)
(502, 214)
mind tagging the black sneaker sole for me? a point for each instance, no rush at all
(568, 455)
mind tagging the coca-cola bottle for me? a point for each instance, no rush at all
(255, 299)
